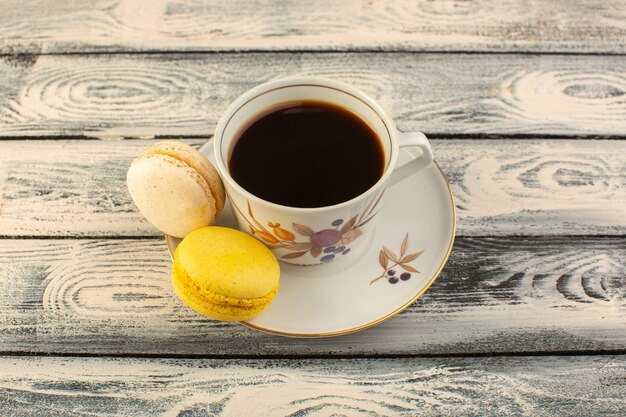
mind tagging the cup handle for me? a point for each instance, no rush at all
(419, 140)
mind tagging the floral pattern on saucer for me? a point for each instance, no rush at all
(388, 260)
(326, 244)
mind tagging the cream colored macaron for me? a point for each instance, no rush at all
(176, 188)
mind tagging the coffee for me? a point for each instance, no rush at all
(307, 154)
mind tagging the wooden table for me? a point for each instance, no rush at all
(525, 104)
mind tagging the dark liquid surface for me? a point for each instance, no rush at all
(308, 154)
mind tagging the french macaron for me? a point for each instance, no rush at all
(176, 188)
(225, 274)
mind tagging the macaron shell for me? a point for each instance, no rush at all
(215, 305)
(170, 194)
(228, 262)
(196, 160)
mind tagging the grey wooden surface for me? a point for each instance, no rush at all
(75, 188)
(74, 26)
(536, 386)
(526, 105)
(110, 96)
(504, 295)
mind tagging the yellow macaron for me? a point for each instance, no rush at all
(225, 274)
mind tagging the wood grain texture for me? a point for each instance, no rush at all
(109, 96)
(140, 25)
(534, 187)
(495, 295)
(512, 187)
(539, 386)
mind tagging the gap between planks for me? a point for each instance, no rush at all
(320, 356)
(520, 238)
(431, 136)
(25, 56)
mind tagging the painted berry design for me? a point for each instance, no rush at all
(326, 244)
(390, 262)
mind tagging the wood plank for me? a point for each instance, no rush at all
(495, 295)
(512, 187)
(554, 386)
(485, 25)
(109, 96)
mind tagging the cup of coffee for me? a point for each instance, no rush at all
(306, 161)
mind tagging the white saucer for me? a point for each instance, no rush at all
(339, 297)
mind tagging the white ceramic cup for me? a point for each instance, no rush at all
(310, 236)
